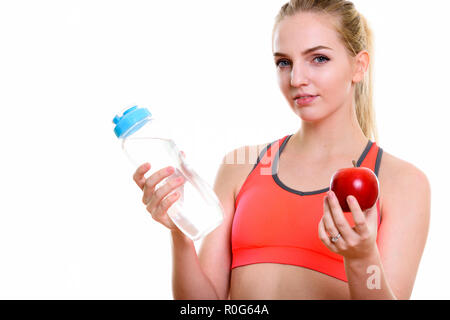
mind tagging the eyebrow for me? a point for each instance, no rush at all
(304, 52)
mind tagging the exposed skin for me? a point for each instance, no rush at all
(328, 137)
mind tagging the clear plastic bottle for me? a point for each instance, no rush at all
(198, 211)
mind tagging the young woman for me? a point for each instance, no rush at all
(284, 235)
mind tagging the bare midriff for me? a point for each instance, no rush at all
(272, 281)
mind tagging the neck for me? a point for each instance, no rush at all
(338, 134)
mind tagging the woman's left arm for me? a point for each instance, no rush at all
(386, 271)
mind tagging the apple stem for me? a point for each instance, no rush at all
(354, 163)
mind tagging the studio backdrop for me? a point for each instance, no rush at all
(72, 224)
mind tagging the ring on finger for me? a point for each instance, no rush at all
(336, 238)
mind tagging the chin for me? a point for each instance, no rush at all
(308, 113)
(315, 112)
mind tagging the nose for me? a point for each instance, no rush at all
(299, 76)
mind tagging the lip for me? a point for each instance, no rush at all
(305, 101)
(304, 95)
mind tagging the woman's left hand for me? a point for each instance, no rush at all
(357, 242)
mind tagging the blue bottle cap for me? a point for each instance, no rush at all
(130, 121)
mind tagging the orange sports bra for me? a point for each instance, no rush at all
(276, 224)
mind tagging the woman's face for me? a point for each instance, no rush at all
(327, 73)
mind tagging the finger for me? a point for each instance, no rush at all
(339, 220)
(138, 175)
(328, 222)
(358, 216)
(372, 215)
(183, 154)
(152, 182)
(160, 212)
(170, 185)
(324, 237)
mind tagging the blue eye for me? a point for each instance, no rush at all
(324, 59)
(280, 61)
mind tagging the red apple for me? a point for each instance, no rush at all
(362, 183)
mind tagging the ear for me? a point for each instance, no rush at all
(361, 65)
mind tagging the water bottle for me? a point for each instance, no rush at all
(197, 211)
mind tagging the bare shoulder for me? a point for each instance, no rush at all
(240, 162)
(394, 170)
(401, 179)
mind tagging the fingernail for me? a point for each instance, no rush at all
(331, 194)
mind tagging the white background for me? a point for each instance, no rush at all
(72, 225)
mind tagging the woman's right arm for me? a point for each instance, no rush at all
(189, 282)
(207, 276)
(194, 277)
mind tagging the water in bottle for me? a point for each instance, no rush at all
(197, 211)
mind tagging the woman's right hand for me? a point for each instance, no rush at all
(153, 199)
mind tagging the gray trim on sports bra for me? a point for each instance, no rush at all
(302, 193)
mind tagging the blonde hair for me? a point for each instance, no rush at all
(356, 35)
